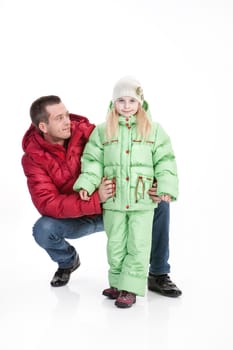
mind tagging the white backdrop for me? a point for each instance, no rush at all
(182, 52)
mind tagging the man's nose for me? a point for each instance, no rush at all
(67, 118)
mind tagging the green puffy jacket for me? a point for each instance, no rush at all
(131, 163)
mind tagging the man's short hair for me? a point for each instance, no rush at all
(38, 111)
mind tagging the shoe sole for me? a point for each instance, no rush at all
(123, 305)
(175, 295)
(61, 284)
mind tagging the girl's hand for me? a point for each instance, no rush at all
(84, 195)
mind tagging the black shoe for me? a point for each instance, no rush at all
(163, 285)
(62, 276)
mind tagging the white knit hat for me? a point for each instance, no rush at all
(128, 86)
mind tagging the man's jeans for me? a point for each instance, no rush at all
(160, 240)
(50, 234)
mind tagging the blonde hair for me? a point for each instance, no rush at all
(142, 121)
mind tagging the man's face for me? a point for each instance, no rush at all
(57, 130)
(126, 106)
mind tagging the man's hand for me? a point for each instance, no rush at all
(106, 190)
(165, 198)
(153, 193)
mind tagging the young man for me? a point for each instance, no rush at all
(53, 147)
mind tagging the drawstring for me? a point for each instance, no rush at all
(114, 188)
(136, 189)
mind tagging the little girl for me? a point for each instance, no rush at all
(133, 152)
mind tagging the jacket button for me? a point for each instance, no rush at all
(127, 178)
(127, 119)
(127, 151)
(127, 206)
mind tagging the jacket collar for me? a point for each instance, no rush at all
(127, 120)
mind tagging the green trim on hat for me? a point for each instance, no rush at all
(145, 105)
(110, 107)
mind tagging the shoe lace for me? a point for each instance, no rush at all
(165, 279)
(61, 271)
(127, 295)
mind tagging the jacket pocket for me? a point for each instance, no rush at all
(143, 184)
(111, 153)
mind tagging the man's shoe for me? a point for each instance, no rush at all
(62, 276)
(125, 299)
(111, 293)
(163, 285)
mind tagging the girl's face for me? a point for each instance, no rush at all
(126, 106)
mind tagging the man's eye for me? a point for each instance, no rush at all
(59, 117)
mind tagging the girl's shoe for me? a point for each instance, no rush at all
(125, 299)
(111, 293)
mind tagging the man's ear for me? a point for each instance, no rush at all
(43, 127)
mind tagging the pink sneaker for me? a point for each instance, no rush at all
(125, 299)
(111, 293)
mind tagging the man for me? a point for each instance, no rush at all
(53, 146)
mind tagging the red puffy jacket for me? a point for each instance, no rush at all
(52, 169)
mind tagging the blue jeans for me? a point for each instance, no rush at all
(160, 240)
(51, 234)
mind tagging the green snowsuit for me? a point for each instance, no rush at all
(132, 164)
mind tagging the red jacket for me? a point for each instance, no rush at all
(52, 169)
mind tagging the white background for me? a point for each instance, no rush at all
(182, 52)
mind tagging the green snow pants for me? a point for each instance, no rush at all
(128, 248)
